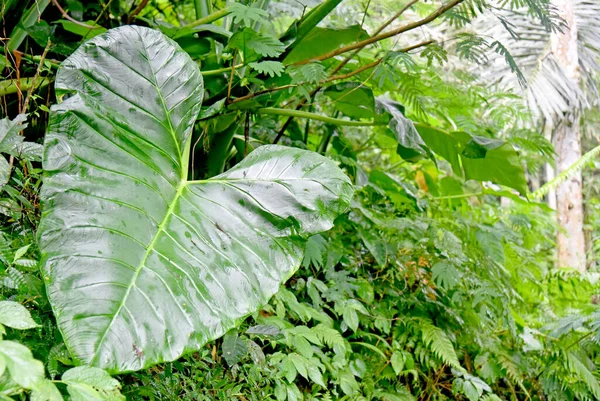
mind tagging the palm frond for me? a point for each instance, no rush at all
(566, 174)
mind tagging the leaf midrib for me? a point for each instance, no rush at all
(139, 268)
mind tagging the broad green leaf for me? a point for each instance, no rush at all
(264, 330)
(142, 265)
(85, 383)
(26, 371)
(486, 159)
(445, 275)
(323, 40)
(353, 99)
(443, 144)
(15, 315)
(234, 348)
(410, 144)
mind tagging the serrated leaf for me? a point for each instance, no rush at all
(23, 368)
(86, 383)
(163, 264)
(314, 253)
(271, 68)
(308, 73)
(234, 348)
(246, 15)
(249, 41)
(15, 315)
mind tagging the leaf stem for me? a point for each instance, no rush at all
(217, 15)
(220, 70)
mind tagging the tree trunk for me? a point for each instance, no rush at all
(569, 196)
(567, 139)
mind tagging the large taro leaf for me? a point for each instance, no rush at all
(141, 265)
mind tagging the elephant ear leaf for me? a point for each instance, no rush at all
(141, 264)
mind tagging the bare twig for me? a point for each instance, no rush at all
(67, 16)
(35, 77)
(230, 83)
(246, 134)
(137, 10)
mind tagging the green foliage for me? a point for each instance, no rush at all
(428, 288)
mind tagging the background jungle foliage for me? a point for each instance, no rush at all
(440, 281)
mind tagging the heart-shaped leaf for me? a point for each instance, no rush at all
(142, 265)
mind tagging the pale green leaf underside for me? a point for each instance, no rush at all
(142, 265)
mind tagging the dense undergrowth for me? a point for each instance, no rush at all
(429, 287)
(406, 298)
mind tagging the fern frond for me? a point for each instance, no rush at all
(440, 344)
(331, 337)
(566, 174)
(577, 367)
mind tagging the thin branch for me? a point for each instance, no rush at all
(137, 10)
(373, 39)
(332, 78)
(377, 32)
(35, 77)
(355, 72)
(246, 134)
(318, 117)
(67, 16)
(262, 92)
(394, 17)
(230, 83)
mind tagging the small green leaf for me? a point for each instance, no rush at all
(46, 391)
(86, 383)
(299, 363)
(271, 68)
(243, 14)
(397, 359)
(315, 374)
(15, 315)
(234, 348)
(256, 352)
(350, 317)
(252, 43)
(20, 252)
(23, 368)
